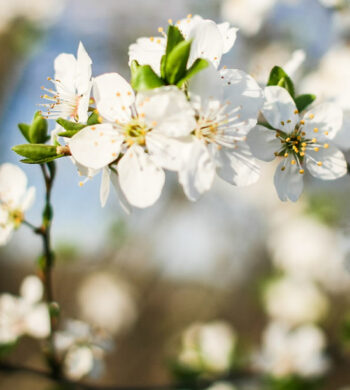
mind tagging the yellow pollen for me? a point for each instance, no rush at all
(158, 41)
(282, 123)
(118, 94)
(298, 138)
(151, 39)
(293, 162)
(326, 133)
(114, 154)
(319, 163)
(189, 16)
(93, 128)
(301, 171)
(160, 29)
(326, 146)
(170, 21)
(123, 108)
(316, 149)
(302, 122)
(311, 116)
(283, 168)
(296, 112)
(315, 130)
(313, 140)
(142, 115)
(302, 154)
(285, 154)
(287, 139)
(303, 144)
(81, 184)
(129, 93)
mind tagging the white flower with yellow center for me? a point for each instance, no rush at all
(209, 41)
(226, 104)
(73, 83)
(141, 136)
(299, 141)
(15, 199)
(24, 314)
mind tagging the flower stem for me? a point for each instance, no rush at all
(46, 265)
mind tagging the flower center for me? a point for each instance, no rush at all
(135, 132)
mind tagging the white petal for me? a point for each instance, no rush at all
(295, 62)
(140, 179)
(263, 143)
(32, 289)
(65, 71)
(122, 200)
(186, 25)
(83, 70)
(105, 186)
(242, 90)
(148, 51)
(114, 96)
(168, 153)
(13, 183)
(167, 110)
(228, 35)
(279, 107)
(206, 90)
(197, 174)
(28, 199)
(333, 163)
(238, 166)
(96, 146)
(326, 119)
(83, 105)
(207, 43)
(37, 322)
(289, 183)
(6, 229)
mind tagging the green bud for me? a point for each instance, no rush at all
(69, 125)
(24, 128)
(176, 62)
(144, 78)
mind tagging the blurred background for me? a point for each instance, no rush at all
(237, 281)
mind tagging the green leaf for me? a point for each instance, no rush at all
(68, 133)
(174, 38)
(302, 101)
(38, 130)
(162, 66)
(93, 119)
(69, 125)
(144, 78)
(197, 66)
(279, 77)
(176, 62)
(36, 152)
(24, 128)
(41, 161)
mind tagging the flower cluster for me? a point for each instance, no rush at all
(183, 113)
(24, 314)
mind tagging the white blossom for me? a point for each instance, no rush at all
(73, 84)
(208, 347)
(24, 314)
(209, 41)
(294, 301)
(226, 104)
(107, 303)
(82, 348)
(141, 137)
(15, 199)
(287, 351)
(299, 142)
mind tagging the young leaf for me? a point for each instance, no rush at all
(174, 38)
(279, 77)
(41, 161)
(68, 125)
(36, 152)
(302, 101)
(38, 130)
(68, 133)
(197, 66)
(176, 62)
(93, 119)
(144, 78)
(24, 128)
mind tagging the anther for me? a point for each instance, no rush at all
(319, 163)
(301, 171)
(326, 146)
(315, 130)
